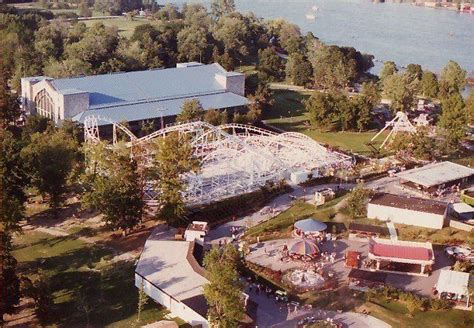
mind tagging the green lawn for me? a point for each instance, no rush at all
(281, 225)
(288, 113)
(396, 314)
(125, 26)
(72, 267)
(443, 236)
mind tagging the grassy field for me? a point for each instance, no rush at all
(79, 270)
(125, 26)
(281, 225)
(443, 236)
(288, 113)
(396, 314)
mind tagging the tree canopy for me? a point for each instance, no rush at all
(173, 158)
(224, 290)
(191, 110)
(50, 158)
(115, 189)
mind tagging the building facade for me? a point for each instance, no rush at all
(408, 210)
(133, 96)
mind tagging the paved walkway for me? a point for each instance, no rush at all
(350, 319)
(279, 204)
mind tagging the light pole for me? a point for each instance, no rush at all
(161, 110)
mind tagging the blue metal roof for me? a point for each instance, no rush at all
(149, 110)
(115, 88)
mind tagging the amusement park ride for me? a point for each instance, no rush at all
(235, 158)
(400, 123)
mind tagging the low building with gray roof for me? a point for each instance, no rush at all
(133, 96)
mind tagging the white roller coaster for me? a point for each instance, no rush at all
(235, 158)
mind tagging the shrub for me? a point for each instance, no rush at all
(439, 304)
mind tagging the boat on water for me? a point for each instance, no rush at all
(315, 8)
(310, 16)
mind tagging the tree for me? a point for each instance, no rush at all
(413, 303)
(400, 91)
(191, 110)
(331, 69)
(453, 78)
(9, 107)
(224, 290)
(142, 301)
(117, 191)
(193, 44)
(215, 117)
(50, 39)
(322, 110)
(299, 69)
(50, 158)
(110, 7)
(168, 12)
(221, 8)
(419, 145)
(357, 202)
(270, 65)
(363, 106)
(232, 32)
(97, 47)
(429, 85)
(66, 68)
(289, 36)
(470, 107)
(84, 10)
(38, 288)
(9, 282)
(13, 180)
(173, 158)
(260, 102)
(453, 119)
(335, 111)
(371, 91)
(389, 68)
(414, 71)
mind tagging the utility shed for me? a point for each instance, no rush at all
(407, 210)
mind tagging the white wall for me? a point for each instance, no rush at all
(404, 216)
(176, 308)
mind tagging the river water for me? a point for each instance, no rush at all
(399, 32)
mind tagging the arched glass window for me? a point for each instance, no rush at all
(44, 104)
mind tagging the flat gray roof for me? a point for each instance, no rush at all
(435, 174)
(148, 110)
(108, 89)
(164, 263)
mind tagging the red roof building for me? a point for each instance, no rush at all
(387, 252)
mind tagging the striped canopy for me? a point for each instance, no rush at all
(304, 247)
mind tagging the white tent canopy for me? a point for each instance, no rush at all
(453, 282)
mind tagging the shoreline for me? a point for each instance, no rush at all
(462, 8)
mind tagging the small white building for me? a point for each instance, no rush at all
(196, 231)
(408, 210)
(323, 195)
(298, 177)
(171, 276)
(454, 285)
